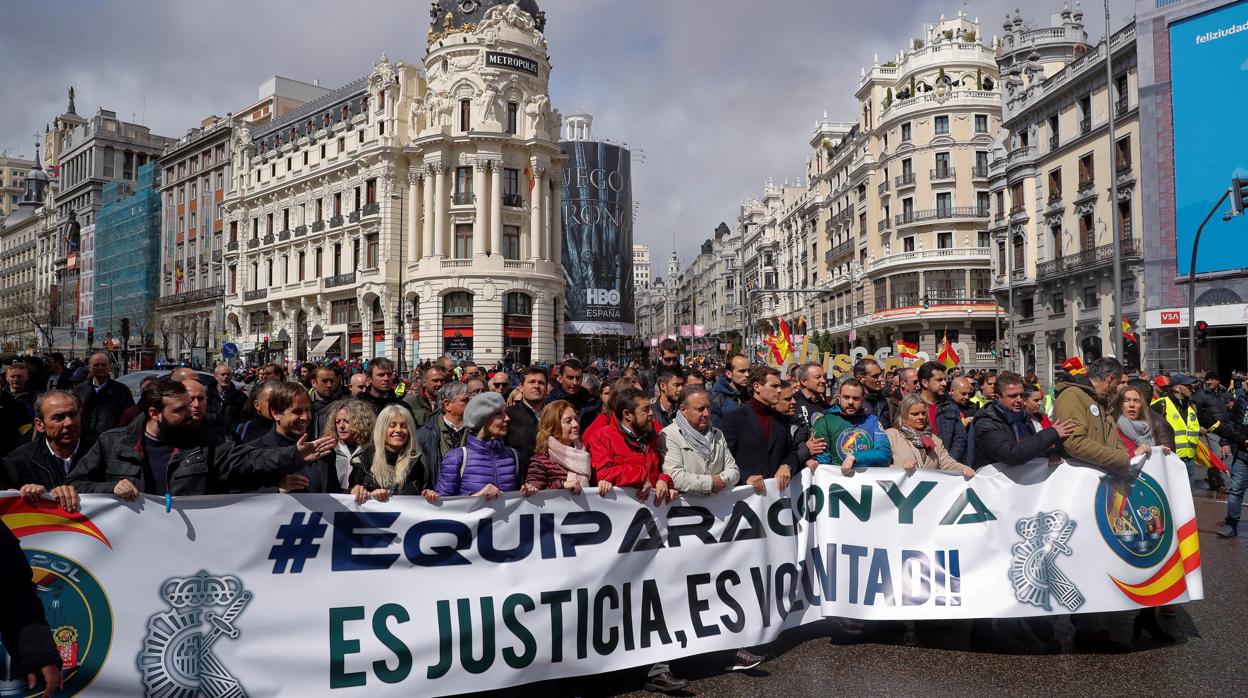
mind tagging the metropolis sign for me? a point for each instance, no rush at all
(494, 59)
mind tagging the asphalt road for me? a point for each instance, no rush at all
(815, 660)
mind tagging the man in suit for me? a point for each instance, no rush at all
(758, 436)
(42, 466)
(103, 399)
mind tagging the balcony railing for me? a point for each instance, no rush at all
(216, 255)
(1085, 124)
(253, 243)
(980, 172)
(191, 296)
(301, 230)
(943, 256)
(232, 246)
(882, 189)
(335, 221)
(353, 217)
(513, 200)
(839, 250)
(904, 180)
(284, 235)
(518, 265)
(942, 173)
(462, 198)
(268, 239)
(340, 280)
(256, 295)
(882, 225)
(370, 209)
(1120, 106)
(1088, 259)
(942, 213)
(318, 226)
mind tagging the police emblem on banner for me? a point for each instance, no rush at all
(1034, 574)
(177, 660)
(81, 619)
(1134, 519)
(851, 441)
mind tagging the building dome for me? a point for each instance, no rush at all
(473, 11)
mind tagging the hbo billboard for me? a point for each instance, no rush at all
(598, 238)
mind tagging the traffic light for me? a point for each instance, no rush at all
(90, 335)
(927, 302)
(1239, 195)
(125, 328)
(1202, 333)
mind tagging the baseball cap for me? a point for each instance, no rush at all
(1182, 379)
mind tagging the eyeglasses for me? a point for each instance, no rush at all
(498, 385)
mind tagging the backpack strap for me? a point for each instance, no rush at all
(463, 464)
(515, 457)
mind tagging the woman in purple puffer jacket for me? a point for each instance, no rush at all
(485, 466)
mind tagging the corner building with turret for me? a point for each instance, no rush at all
(412, 212)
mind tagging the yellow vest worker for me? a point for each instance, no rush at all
(1186, 427)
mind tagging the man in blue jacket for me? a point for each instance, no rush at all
(731, 390)
(942, 414)
(853, 437)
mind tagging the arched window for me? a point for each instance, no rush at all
(517, 304)
(364, 104)
(346, 112)
(457, 303)
(294, 135)
(328, 121)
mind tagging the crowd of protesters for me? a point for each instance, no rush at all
(451, 430)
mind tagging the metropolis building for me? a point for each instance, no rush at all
(411, 205)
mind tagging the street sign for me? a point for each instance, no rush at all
(398, 340)
(853, 335)
(229, 350)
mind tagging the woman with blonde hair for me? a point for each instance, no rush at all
(914, 445)
(560, 460)
(352, 422)
(391, 464)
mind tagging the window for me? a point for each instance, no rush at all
(1124, 219)
(370, 191)
(457, 303)
(517, 304)
(907, 244)
(1020, 254)
(1091, 299)
(944, 241)
(1055, 235)
(1001, 266)
(981, 204)
(320, 262)
(942, 166)
(285, 219)
(1087, 172)
(1055, 184)
(984, 239)
(1087, 232)
(463, 182)
(255, 228)
(511, 182)
(981, 123)
(513, 113)
(905, 132)
(465, 114)
(511, 242)
(344, 312)
(342, 145)
(337, 259)
(268, 224)
(337, 204)
(322, 151)
(1027, 308)
(981, 163)
(1085, 113)
(357, 193)
(1128, 289)
(1122, 154)
(372, 251)
(234, 231)
(942, 125)
(1058, 301)
(302, 264)
(320, 210)
(944, 204)
(463, 241)
(269, 274)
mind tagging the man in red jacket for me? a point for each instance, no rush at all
(627, 453)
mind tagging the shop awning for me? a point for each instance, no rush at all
(327, 342)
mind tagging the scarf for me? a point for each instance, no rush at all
(1018, 422)
(921, 440)
(702, 444)
(1137, 430)
(574, 459)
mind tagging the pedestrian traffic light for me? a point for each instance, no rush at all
(1202, 333)
(927, 302)
(125, 328)
(1239, 194)
(90, 335)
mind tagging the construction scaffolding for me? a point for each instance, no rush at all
(127, 257)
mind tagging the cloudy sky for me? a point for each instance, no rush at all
(719, 94)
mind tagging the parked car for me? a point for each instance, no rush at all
(132, 380)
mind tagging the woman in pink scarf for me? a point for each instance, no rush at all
(560, 460)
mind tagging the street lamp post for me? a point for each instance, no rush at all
(1191, 278)
(402, 301)
(1116, 293)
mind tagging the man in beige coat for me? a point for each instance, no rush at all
(695, 454)
(1087, 402)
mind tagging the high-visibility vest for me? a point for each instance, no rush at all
(1186, 433)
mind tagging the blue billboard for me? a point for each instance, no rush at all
(1209, 79)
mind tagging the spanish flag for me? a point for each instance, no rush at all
(947, 355)
(907, 350)
(782, 344)
(1170, 582)
(45, 516)
(1074, 366)
(528, 173)
(1128, 333)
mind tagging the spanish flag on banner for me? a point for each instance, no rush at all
(1171, 580)
(43, 516)
(907, 350)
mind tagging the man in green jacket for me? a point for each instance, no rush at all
(423, 401)
(853, 437)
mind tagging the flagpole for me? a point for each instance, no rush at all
(1116, 291)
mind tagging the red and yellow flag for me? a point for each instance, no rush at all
(947, 355)
(781, 345)
(1074, 366)
(44, 516)
(1171, 580)
(528, 173)
(907, 350)
(1128, 333)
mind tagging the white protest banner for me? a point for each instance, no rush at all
(269, 595)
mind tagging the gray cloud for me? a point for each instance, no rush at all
(720, 94)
